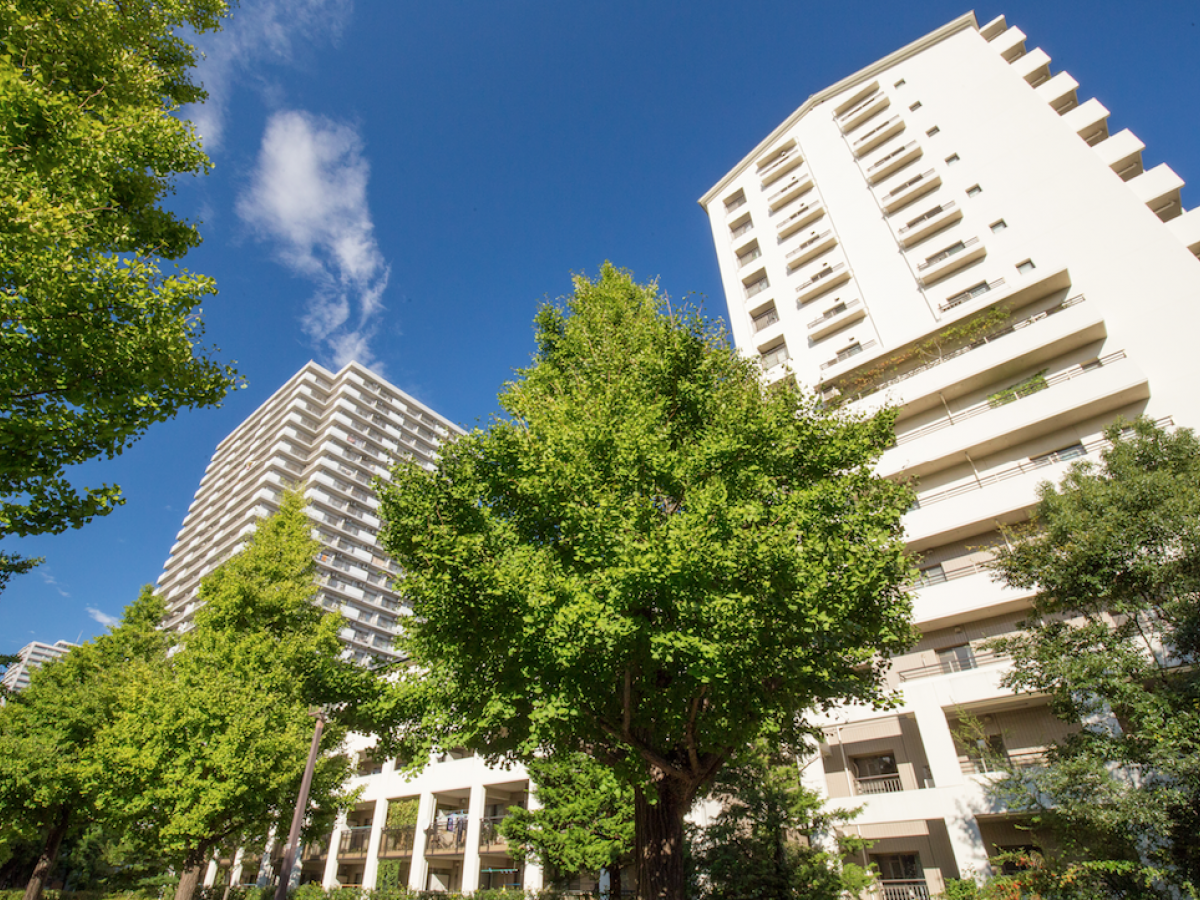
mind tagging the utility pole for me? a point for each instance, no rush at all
(289, 854)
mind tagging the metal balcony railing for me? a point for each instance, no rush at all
(354, 841)
(933, 213)
(950, 251)
(904, 890)
(874, 131)
(858, 107)
(954, 664)
(809, 242)
(784, 157)
(901, 188)
(397, 841)
(816, 277)
(878, 784)
(833, 313)
(884, 160)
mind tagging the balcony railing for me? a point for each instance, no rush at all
(490, 839)
(354, 841)
(950, 251)
(757, 287)
(798, 214)
(901, 188)
(904, 890)
(975, 345)
(832, 313)
(858, 107)
(827, 272)
(1019, 759)
(783, 157)
(878, 784)
(1008, 397)
(933, 213)
(884, 160)
(1021, 468)
(809, 242)
(791, 185)
(741, 229)
(397, 841)
(954, 664)
(852, 350)
(734, 205)
(874, 131)
(970, 294)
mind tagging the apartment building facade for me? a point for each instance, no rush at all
(335, 433)
(956, 231)
(32, 656)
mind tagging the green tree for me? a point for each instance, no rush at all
(97, 339)
(652, 558)
(212, 748)
(1114, 555)
(584, 822)
(51, 732)
(763, 845)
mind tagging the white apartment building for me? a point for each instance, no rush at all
(955, 230)
(335, 433)
(32, 656)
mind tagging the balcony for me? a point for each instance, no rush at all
(908, 889)
(893, 161)
(812, 247)
(955, 257)
(929, 222)
(1089, 121)
(780, 165)
(1034, 67)
(1122, 153)
(824, 279)
(1059, 92)
(1186, 229)
(878, 784)
(753, 288)
(955, 664)
(859, 114)
(397, 841)
(741, 228)
(798, 218)
(835, 318)
(447, 836)
(1010, 45)
(900, 195)
(354, 842)
(796, 185)
(1076, 394)
(1159, 189)
(849, 353)
(971, 293)
(877, 135)
(490, 839)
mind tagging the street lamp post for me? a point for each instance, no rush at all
(289, 855)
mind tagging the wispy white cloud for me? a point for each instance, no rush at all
(50, 580)
(308, 196)
(257, 34)
(101, 617)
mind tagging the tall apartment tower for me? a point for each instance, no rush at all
(32, 656)
(334, 433)
(954, 231)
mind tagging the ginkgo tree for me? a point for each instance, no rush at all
(652, 557)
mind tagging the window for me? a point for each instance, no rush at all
(1026, 267)
(974, 190)
(766, 317)
(998, 226)
(1071, 451)
(740, 227)
(775, 356)
(899, 83)
(898, 867)
(733, 202)
(927, 575)
(952, 159)
(957, 659)
(877, 774)
(750, 254)
(915, 106)
(932, 131)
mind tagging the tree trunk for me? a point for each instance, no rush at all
(658, 853)
(189, 879)
(45, 863)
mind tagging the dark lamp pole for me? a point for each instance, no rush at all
(289, 855)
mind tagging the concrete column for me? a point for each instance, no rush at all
(266, 872)
(235, 871)
(330, 880)
(476, 808)
(210, 874)
(378, 821)
(970, 853)
(938, 743)
(535, 876)
(419, 870)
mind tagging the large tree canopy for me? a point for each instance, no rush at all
(1114, 554)
(652, 558)
(97, 340)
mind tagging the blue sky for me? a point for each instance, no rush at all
(404, 183)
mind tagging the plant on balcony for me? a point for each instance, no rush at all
(1114, 555)
(929, 350)
(652, 557)
(1023, 388)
